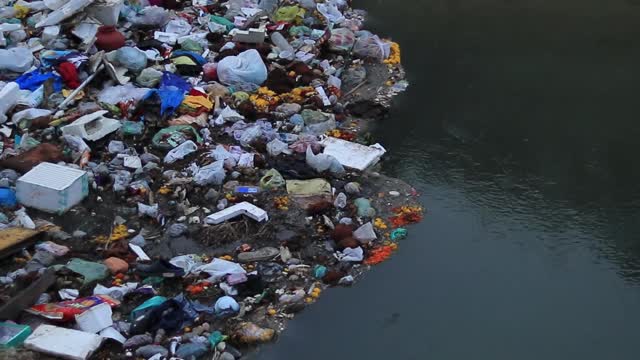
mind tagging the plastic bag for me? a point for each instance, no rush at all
(90, 271)
(149, 77)
(172, 136)
(330, 12)
(276, 147)
(151, 15)
(272, 179)
(121, 93)
(341, 39)
(290, 14)
(323, 162)
(226, 306)
(250, 134)
(23, 220)
(218, 269)
(178, 26)
(212, 174)
(132, 58)
(180, 151)
(121, 180)
(17, 59)
(370, 46)
(247, 67)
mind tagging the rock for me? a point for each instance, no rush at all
(226, 356)
(233, 351)
(192, 350)
(263, 254)
(352, 188)
(148, 351)
(116, 265)
(212, 195)
(176, 230)
(394, 193)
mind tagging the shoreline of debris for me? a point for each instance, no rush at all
(180, 179)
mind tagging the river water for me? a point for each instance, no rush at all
(519, 130)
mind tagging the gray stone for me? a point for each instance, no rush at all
(263, 254)
(191, 350)
(226, 356)
(148, 351)
(212, 195)
(79, 234)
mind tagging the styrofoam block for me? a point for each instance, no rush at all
(352, 155)
(92, 126)
(252, 36)
(52, 188)
(105, 11)
(243, 208)
(62, 342)
(95, 319)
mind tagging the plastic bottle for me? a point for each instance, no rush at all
(278, 40)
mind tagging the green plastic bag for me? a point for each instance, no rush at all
(272, 180)
(291, 14)
(89, 270)
(172, 136)
(222, 21)
(151, 303)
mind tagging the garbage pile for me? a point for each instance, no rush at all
(179, 178)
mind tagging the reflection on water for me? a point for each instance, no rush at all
(519, 128)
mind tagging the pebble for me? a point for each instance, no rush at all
(394, 193)
(226, 356)
(79, 234)
(233, 351)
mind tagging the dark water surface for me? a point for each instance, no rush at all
(520, 130)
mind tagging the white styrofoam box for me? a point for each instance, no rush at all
(92, 126)
(62, 342)
(352, 155)
(52, 188)
(243, 208)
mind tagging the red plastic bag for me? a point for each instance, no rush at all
(67, 310)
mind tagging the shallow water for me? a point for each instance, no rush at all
(519, 129)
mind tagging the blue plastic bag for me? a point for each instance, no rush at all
(33, 80)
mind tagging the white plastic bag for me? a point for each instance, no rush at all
(247, 67)
(370, 46)
(330, 12)
(218, 269)
(180, 151)
(212, 174)
(323, 162)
